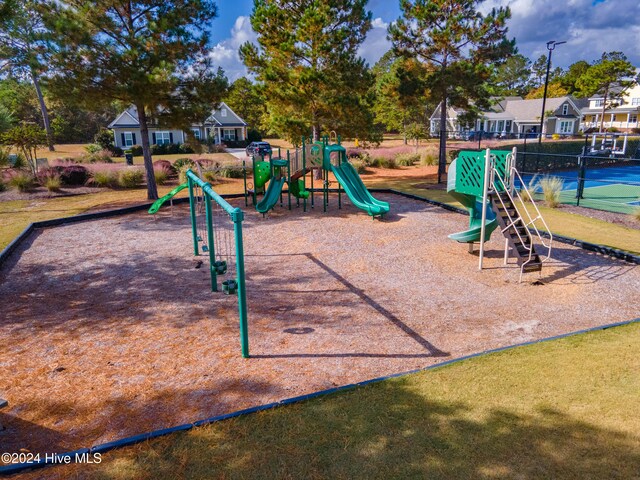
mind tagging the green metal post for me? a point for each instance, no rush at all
(340, 189)
(289, 177)
(304, 179)
(192, 208)
(255, 187)
(325, 190)
(212, 256)
(237, 217)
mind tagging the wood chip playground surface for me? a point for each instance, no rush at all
(109, 330)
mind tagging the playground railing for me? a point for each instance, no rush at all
(237, 216)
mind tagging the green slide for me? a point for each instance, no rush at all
(158, 203)
(271, 196)
(474, 205)
(357, 191)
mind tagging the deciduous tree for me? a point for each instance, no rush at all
(149, 53)
(460, 47)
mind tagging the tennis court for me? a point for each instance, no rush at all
(615, 188)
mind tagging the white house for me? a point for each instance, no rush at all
(516, 117)
(222, 125)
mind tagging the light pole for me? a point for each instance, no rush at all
(551, 45)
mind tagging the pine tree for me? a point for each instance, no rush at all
(147, 53)
(307, 61)
(247, 100)
(460, 47)
(24, 52)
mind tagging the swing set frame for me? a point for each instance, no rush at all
(237, 216)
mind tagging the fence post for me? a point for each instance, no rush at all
(237, 216)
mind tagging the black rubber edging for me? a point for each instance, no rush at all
(132, 440)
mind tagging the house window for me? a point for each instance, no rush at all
(500, 126)
(128, 139)
(507, 126)
(565, 109)
(196, 133)
(635, 101)
(633, 118)
(229, 134)
(565, 127)
(599, 102)
(223, 112)
(613, 117)
(163, 138)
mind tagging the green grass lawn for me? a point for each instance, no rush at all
(564, 409)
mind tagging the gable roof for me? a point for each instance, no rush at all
(530, 110)
(129, 118)
(232, 119)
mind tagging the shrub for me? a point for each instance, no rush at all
(186, 148)
(254, 135)
(381, 162)
(136, 150)
(130, 178)
(52, 183)
(104, 178)
(94, 148)
(104, 138)
(551, 189)
(359, 165)
(428, 159)
(3, 186)
(230, 171)
(181, 162)
(74, 175)
(101, 156)
(636, 214)
(19, 161)
(4, 157)
(210, 176)
(164, 165)
(182, 173)
(161, 175)
(23, 181)
(406, 159)
(217, 148)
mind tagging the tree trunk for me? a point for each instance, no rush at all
(604, 108)
(404, 129)
(152, 189)
(442, 159)
(43, 109)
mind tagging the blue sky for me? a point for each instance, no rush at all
(590, 27)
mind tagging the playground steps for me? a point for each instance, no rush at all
(515, 232)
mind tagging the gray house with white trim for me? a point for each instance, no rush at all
(222, 125)
(516, 117)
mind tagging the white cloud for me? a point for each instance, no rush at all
(376, 43)
(590, 28)
(225, 53)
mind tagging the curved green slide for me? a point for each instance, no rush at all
(474, 205)
(158, 203)
(357, 191)
(271, 196)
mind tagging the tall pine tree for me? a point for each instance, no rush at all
(149, 53)
(307, 60)
(460, 47)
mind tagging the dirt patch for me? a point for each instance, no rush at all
(109, 329)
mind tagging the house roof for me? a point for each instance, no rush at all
(129, 119)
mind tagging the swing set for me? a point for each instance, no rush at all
(217, 231)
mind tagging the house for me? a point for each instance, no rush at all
(621, 113)
(223, 125)
(514, 117)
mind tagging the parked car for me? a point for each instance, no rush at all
(258, 149)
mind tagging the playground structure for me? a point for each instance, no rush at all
(490, 187)
(293, 169)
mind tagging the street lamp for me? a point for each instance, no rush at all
(551, 45)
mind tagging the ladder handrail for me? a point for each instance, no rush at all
(508, 185)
